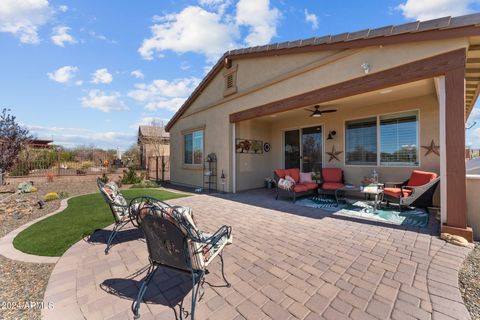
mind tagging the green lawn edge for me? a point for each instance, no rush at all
(84, 214)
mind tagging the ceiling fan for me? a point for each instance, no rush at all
(318, 113)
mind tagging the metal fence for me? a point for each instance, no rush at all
(59, 162)
(158, 168)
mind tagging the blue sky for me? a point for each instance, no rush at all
(88, 72)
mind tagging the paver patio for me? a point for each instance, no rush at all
(286, 262)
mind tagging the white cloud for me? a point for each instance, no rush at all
(163, 94)
(102, 76)
(63, 8)
(71, 137)
(218, 5)
(192, 30)
(431, 9)
(196, 29)
(63, 74)
(97, 99)
(60, 36)
(101, 37)
(185, 65)
(312, 19)
(260, 18)
(137, 74)
(23, 18)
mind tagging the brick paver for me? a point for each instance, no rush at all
(286, 262)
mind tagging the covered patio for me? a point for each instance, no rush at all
(410, 117)
(287, 262)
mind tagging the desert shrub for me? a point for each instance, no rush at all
(145, 184)
(51, 196)
(131, 177)
(63, 194)
(19, 171)
(104, 178)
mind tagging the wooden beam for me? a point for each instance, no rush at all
(473, 60)
(472, 78)
(473, 70)
(410, 72)
(474, 48)
(455, 149)
(473, 86)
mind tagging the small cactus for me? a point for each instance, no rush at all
(51, 196)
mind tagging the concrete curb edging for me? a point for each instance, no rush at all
(8, 250)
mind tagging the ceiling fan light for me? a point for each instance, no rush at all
(316, 115)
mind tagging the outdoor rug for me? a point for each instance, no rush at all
(363, 209)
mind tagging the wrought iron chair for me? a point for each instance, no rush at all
(175, 243)
(123, 211)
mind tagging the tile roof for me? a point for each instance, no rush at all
(153, 131)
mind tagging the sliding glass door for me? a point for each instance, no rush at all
(311, 149)
(303, 149)
(292, 149)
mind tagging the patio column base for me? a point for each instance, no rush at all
(466, 232)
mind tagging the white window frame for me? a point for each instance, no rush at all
(378, 140)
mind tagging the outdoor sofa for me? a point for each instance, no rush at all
(298, 189)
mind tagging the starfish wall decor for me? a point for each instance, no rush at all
(334, 154)
(432, 148)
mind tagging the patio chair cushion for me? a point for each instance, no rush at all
(300, 187)
(280, 173)
(332, 185)
(332, 175)
(420, 178)
(397, 192)
(305, 177)
(202, 254)
(295, 174)
(309, 185)
(119, 204)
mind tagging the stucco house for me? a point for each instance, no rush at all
(397, 91)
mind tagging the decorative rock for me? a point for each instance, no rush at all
(454, 239)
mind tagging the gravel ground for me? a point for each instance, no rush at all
(470, 283)
(22, 284)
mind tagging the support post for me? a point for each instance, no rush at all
(454, 124)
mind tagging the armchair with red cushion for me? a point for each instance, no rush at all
(417, 191)
(332, 179)
(298, 188)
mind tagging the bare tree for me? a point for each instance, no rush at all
(12, 139)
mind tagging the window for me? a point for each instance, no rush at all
(193, 147)
(398, 139)
(361, 142)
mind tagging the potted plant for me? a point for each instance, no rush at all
(269, 182)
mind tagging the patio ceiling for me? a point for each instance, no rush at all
(395, 93)
(472, 75)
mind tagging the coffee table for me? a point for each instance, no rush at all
(372, 189)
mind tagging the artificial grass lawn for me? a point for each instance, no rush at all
(84, 214)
